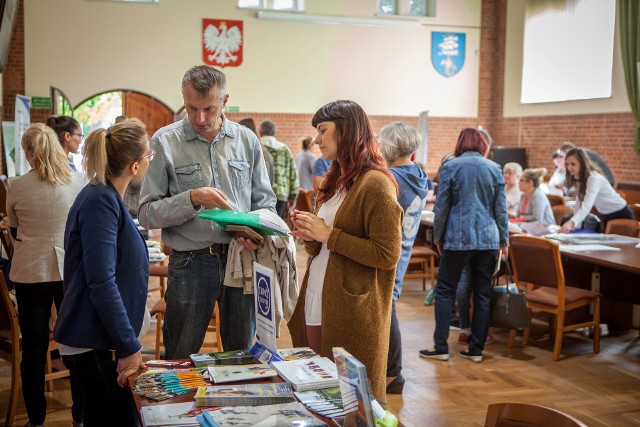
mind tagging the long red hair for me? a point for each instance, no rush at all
(358, 149)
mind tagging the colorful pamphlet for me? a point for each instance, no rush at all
(244, 395)
(227, 374)
(259, 222)
(297, 353)
(167, 383)
(236, 357)
(308, 374)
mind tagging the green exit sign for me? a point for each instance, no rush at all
(232, 109)
(40, 102)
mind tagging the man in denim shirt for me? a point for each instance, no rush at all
(204, 161)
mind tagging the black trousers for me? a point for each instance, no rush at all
(394, 358)
(106, 403)
(34, 313)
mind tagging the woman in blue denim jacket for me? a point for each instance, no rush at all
(470, 225)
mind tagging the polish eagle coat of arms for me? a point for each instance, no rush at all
(222, 42)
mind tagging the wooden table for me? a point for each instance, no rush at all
(141, 401)
(616, 274)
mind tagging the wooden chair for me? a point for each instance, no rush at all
(304, 201)
(7, 243)
(526, 415)
(420, 256)
(623, 227)
(11, 350)
(536, 262)
(559, 211)
(50, 376)
(215, 345)
(555, 200)
(636, 211)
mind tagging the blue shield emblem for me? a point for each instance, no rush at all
(448, 52)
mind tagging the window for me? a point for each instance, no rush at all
(426, 8)
(283, 5)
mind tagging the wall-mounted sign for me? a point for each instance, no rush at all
(448, 52)
(40, 102)
(222, 42)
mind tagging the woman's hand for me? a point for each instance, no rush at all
(568, 227)
(310, 227)
(129, 366)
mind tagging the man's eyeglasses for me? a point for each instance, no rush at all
(149, 155)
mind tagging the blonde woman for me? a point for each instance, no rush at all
(106, 272)
(37, 206)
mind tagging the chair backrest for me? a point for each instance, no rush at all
(559, 211)
(7, 243)
(537, 261)
(555, 200)
(636, 211)
(523, 415)
(9, 329)
(304, 202)
(624, 227)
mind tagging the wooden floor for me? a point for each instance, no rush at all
(600, 390)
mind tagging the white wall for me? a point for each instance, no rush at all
(618, 102)
(86, 47)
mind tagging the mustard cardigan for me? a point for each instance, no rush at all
(364, 247)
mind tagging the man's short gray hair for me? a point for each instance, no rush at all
(513, 167)
(398, 139)
(203, 78)
(268, 128)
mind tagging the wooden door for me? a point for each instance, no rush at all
(152, 112)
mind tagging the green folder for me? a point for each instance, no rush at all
(262, 225)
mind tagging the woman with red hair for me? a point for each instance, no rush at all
(354, 239)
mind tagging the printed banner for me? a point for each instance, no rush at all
(22, 123)
(8, 135)
(222, 42)
(265, 317)
(448, 52)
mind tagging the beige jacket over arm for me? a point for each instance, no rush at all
(39, 211)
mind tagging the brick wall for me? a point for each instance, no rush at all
(611, 135)
(13, 77)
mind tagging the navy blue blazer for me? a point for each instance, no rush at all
(106, 273)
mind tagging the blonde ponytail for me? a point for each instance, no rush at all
(49, 161)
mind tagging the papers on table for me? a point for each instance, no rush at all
(591, 238)
(587, 248)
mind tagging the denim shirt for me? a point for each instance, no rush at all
(471, 207)
(232, 163)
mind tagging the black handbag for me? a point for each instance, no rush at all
(508, 304)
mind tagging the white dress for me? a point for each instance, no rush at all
(318, 267)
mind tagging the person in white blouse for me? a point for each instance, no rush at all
(557, 180)
(592, 191)
(37, 205)
(512, 172)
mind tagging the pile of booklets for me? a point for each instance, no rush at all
(168, 383)
(155, 251)
(328, 402)
(237, 357)
(244, 395)
(308, 374)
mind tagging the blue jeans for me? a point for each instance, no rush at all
(193, 286)
(481, 265)
(401, 269)
(463, 296)
(106, 404)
